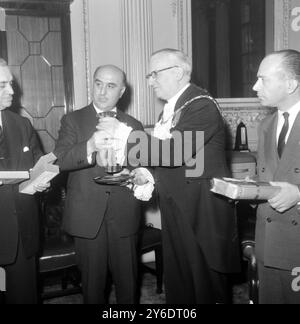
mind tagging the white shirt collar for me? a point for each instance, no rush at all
(173, 100)
(98, 111)
(170, 105)
(293, 111)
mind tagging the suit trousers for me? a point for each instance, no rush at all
(188, 277)
(21, 279)
(275, 286)
(108, 252)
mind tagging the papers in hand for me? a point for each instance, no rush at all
(43, 172)
(13, 177)
(243, 189)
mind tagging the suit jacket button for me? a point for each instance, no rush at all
(263, 169)
(295, 223)
(269, 220)
(297, 170)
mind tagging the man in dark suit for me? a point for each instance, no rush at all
(200, 243)
(104, 220)
(278, 221)
(19, 223)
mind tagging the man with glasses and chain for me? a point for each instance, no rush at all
(199, 234)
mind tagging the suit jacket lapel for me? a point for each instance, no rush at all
(291, 151)
(90, 122)
(271, 153)
(122, 117)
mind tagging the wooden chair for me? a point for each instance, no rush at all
(247, 219)
(57, 258)
(150, 240)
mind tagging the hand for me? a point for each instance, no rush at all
(106, 157)
(109, 125)
(42, 187)
(99, 140)
(287, 198)
(139, 177)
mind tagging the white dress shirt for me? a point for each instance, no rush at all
(293, 113)
(162, 128)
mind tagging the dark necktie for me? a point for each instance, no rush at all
(282, 136)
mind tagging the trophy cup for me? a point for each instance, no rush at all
(113, 170)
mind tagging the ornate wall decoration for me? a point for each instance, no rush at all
(248, 111)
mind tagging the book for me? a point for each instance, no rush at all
(43, 172)
(243, 189)
(13, 177)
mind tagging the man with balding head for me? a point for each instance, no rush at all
(104, 220)
(278, 220)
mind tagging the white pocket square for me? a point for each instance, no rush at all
(25, 149)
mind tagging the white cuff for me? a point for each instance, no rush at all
(148, 175)
(145, 191)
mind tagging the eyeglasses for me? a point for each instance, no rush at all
(154, 74)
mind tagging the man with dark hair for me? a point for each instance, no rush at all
(103, 219)
(19, 223)
(278, 220)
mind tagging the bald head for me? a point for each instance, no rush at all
(112, 69)
(108, 87)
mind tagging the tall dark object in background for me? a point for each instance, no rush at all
(37, 44)
(247, 44)
(228, 44)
